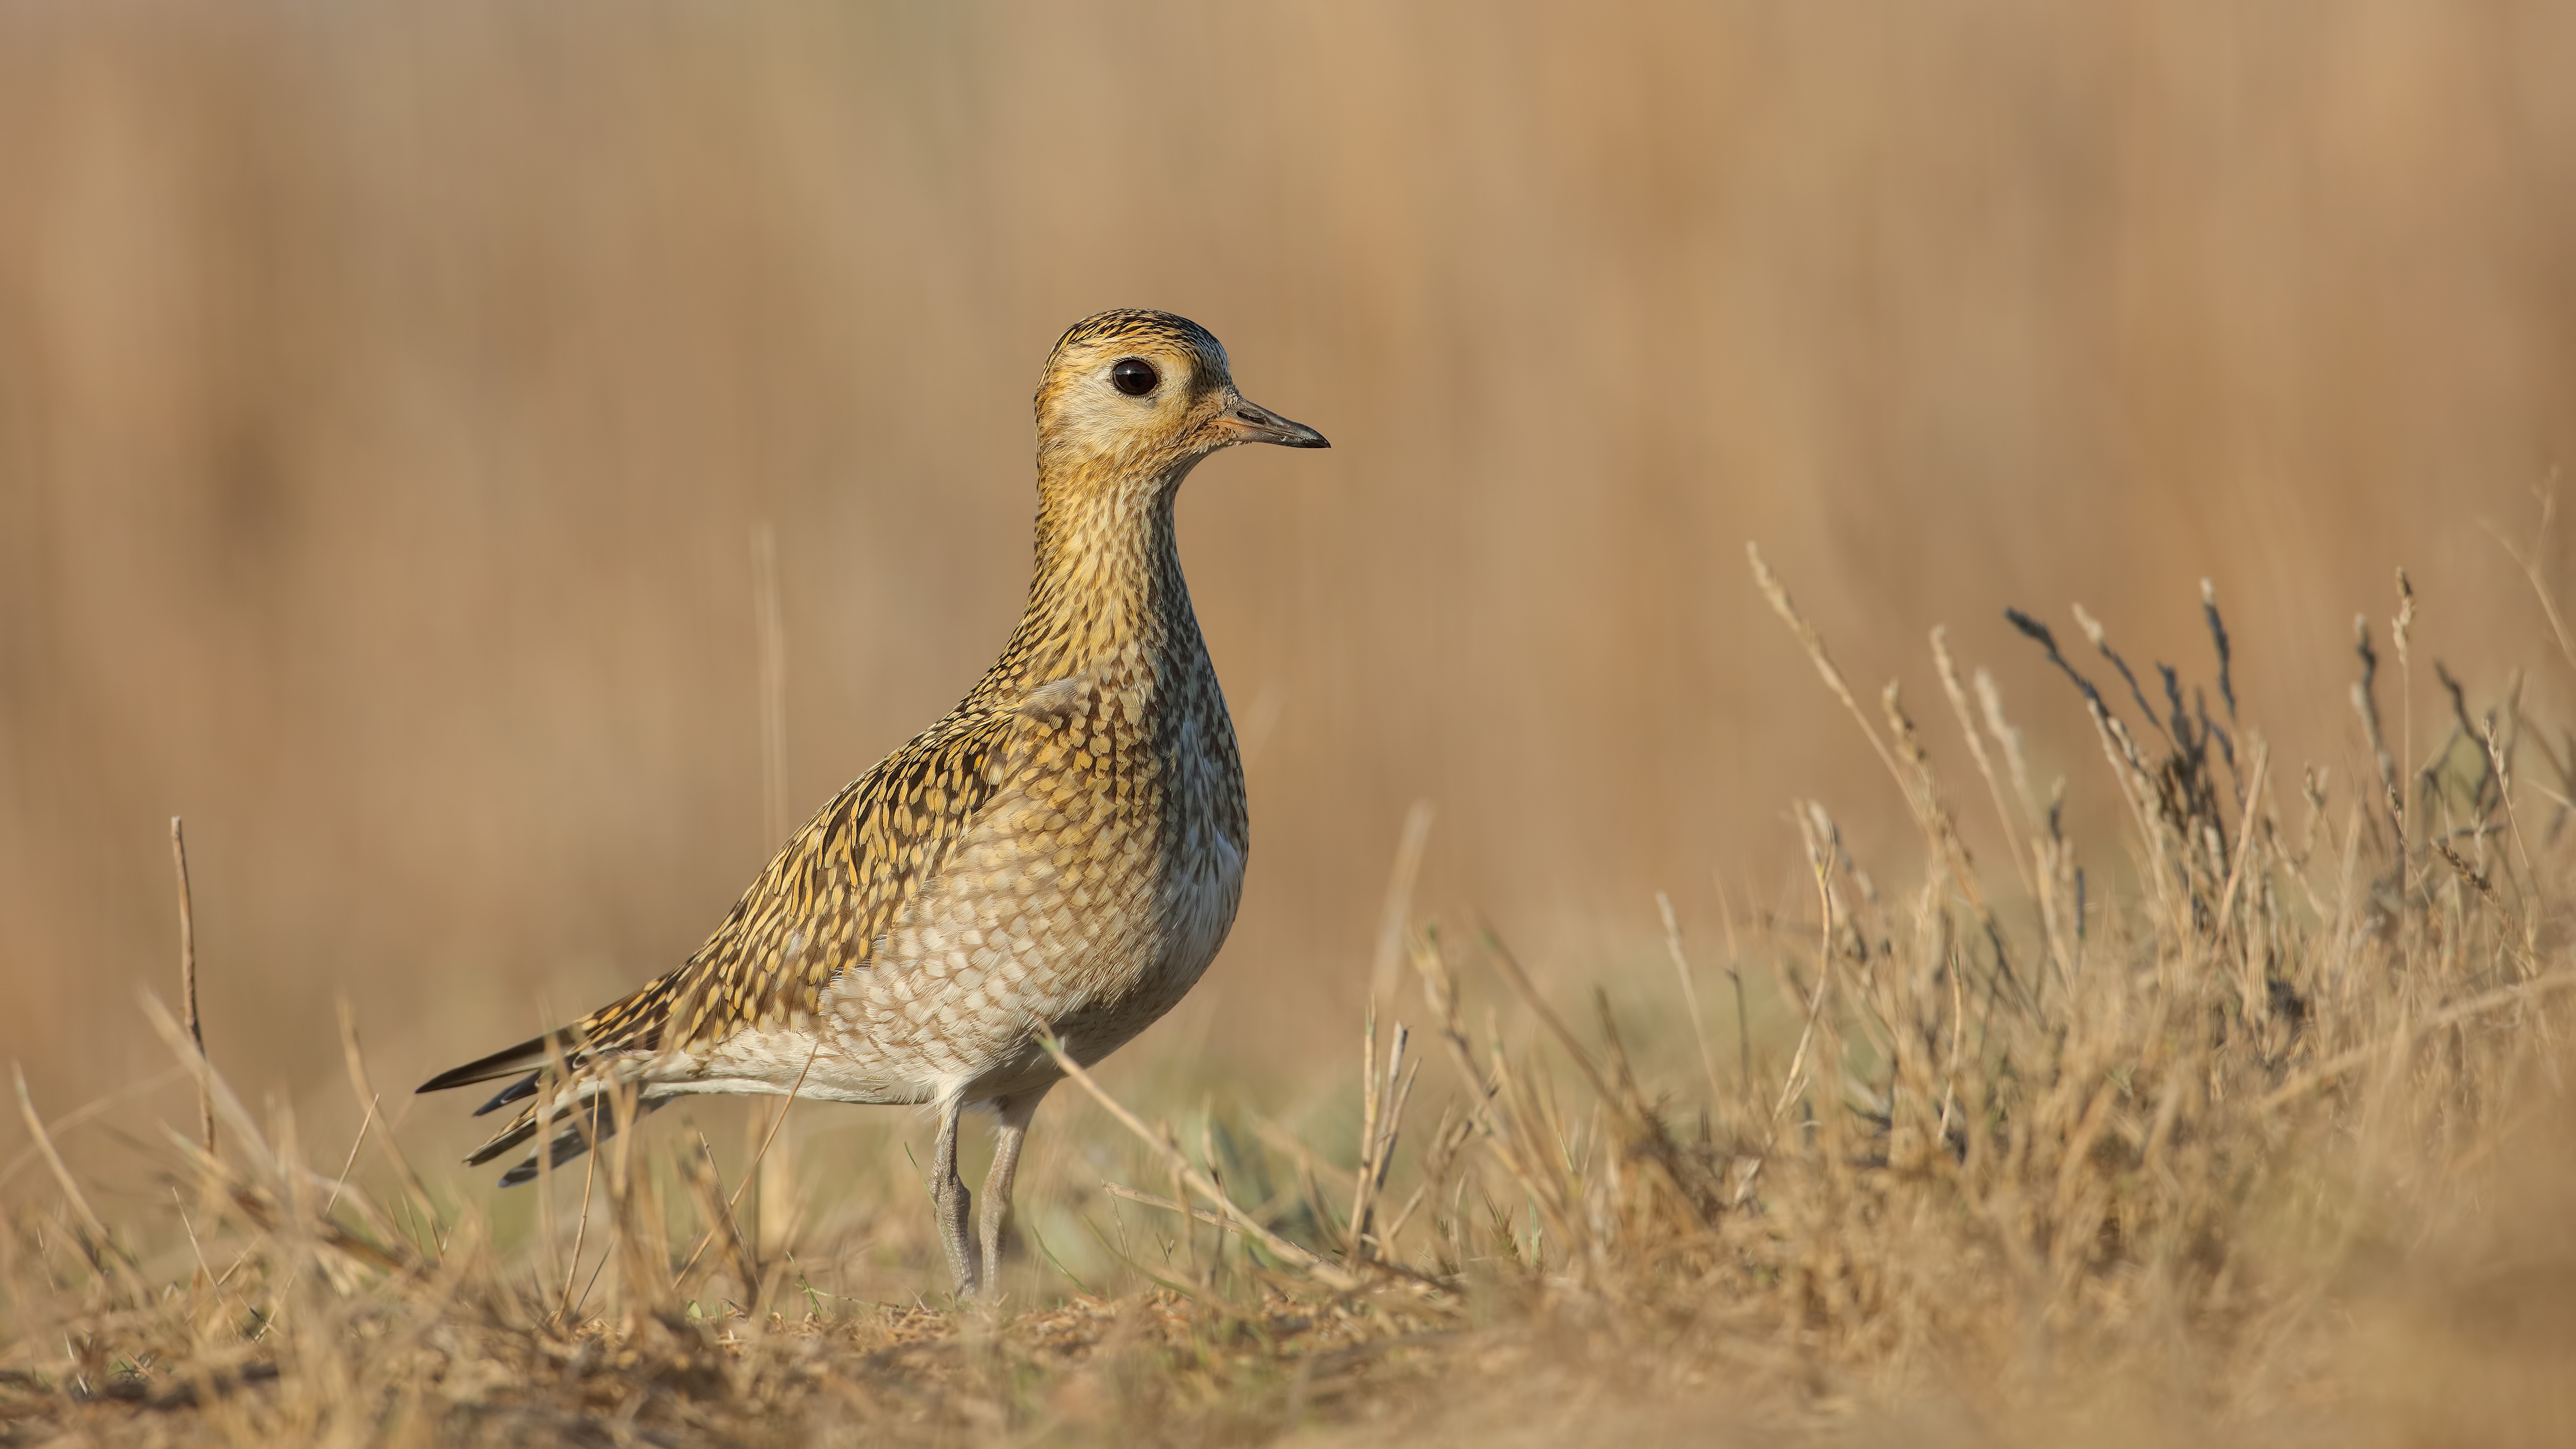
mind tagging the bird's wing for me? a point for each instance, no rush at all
(833, 892)
(830, 896)
(826, 900)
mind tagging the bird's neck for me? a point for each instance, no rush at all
(1107, 598)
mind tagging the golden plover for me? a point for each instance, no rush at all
(1061, 854)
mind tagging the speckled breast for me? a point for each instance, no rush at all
(1091, 894)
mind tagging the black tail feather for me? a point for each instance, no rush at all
(527, 1056)
(578, 1128)
(595, 1051)
(518, 1091)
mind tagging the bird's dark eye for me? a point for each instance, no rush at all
(1134, 376)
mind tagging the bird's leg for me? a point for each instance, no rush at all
(948, 1196)
(1016, 1112)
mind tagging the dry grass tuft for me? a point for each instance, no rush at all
(2253, 1127)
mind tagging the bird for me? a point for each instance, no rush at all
(1058, 859)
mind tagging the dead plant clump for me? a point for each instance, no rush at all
(2266, 1142)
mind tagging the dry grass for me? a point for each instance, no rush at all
(389, 393)
(2264, 1142)
(391, 396)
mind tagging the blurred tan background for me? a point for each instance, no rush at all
(388, 393)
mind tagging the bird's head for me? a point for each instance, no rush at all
(1142, 396)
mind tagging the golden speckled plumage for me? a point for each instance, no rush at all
(1061, 854)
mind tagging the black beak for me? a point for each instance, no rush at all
(1246, 423)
